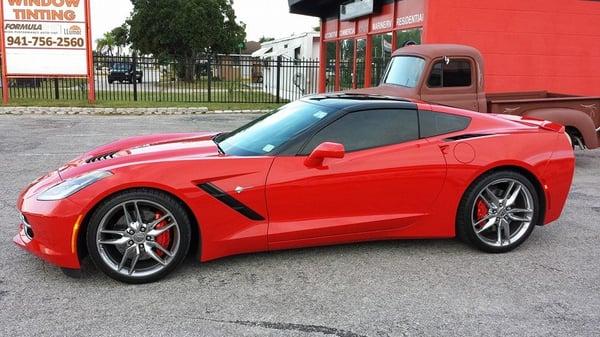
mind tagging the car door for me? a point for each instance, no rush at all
(388, 179)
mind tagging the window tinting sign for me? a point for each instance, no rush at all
(355, 9)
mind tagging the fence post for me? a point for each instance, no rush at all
(56, 91)
(278, 79)
(209, 78)
(134, 76)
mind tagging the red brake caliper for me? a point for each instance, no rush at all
(482, 210)
(165, 238)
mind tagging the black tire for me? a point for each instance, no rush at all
(164, 200)
(465, 224)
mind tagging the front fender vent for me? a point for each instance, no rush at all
(230, 201)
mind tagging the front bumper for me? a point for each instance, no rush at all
(50, 231)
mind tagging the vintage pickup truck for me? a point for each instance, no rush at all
(453, 75)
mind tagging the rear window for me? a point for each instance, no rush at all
(433, 124)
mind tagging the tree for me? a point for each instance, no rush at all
(264, 39)
(121, 36)
(185, 29)
(106, 44)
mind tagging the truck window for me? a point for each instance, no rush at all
(368, 129)
(433, 124)
(457, 73)
(404, 71)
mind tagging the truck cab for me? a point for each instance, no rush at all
(453, 75)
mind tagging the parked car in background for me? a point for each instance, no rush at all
(123, 72)
(453, 75)
(324, 170)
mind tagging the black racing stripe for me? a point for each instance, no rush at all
(230, 201)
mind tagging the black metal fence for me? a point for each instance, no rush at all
(222, 78)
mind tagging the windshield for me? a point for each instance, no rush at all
(268, 133)
(405, 71)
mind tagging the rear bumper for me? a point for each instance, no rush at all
(557, 180)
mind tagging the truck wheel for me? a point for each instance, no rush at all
(498, 212)
(576, 138)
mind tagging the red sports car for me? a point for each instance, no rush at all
(323, 170)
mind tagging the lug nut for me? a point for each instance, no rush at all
(143, 229)
(148, 238)
(131, 243)
(131, 232)
(141, 246)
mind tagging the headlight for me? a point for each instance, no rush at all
(71, 186)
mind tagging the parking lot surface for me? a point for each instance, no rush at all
(548, 287)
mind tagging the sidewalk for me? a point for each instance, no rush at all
(119, 111)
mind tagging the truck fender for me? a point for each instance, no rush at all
(570, 118)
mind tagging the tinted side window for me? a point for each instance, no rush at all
(455, 74)
(368, 129)
(435, 123)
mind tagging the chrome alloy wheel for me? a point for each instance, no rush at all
(502, 212)
(138, 238)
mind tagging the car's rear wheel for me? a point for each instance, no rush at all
(498, 212)
(138, 236)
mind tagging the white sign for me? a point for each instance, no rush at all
(45, 37)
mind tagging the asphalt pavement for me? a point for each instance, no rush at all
(550, 286)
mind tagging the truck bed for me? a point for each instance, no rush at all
(519, 103)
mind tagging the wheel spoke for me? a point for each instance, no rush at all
(507, 232)
(127, 216)
(491, 220)
(161, 248)
(518, 218)
(156, 257)
(510, 201)
(494, 201)
(138, 214)
(508, 191)
(499, 232)
(112, 232)
(114, 242)
(156, 222)
(134, 261)
(129, 253)
(157, 232)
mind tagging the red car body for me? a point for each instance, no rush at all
(409, 190)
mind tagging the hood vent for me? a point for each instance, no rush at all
(103, 157)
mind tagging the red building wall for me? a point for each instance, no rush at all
(549, 45)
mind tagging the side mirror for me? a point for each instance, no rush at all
(325, 150)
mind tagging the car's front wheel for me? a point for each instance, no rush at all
(138, 236)
(498, 212)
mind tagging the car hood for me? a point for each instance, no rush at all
(142, 149)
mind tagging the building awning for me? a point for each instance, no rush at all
(318, 8)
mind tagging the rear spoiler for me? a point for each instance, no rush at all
(532, 121)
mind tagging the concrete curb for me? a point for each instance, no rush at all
(118, 111)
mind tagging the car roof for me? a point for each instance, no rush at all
(346, 100)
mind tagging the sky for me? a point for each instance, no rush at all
(270, 18)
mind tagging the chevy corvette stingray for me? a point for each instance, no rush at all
(323, 170)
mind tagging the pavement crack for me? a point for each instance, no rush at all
(306, 328)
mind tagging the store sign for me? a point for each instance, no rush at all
(45, 37)
(410, 20)
(355, 9)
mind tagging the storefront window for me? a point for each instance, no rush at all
(330, 71)
(408, 37)
(361, 54)
(347, 64)
(381, 54)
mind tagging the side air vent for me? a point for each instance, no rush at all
(103, 157)
(467, 136)
(230, 201)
